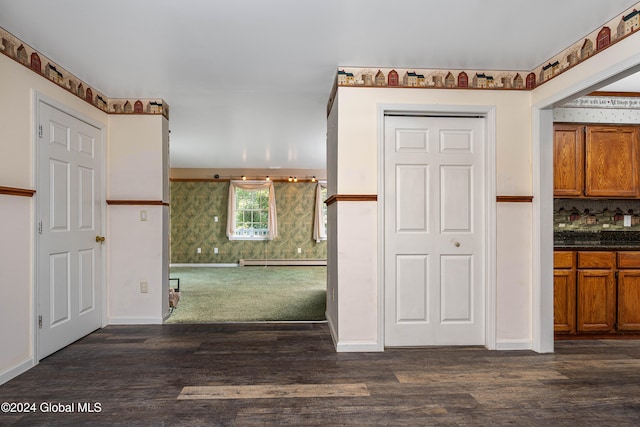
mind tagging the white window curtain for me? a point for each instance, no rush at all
(231, 208)
(319, 230)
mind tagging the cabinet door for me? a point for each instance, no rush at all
(568, 160)
(596, 301)
(629, 300)
(611, 168)
(564, 301)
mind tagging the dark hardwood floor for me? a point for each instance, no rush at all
(289, 374)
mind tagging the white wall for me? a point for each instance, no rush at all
(357, 173)
(332, 225)
(138, 250)
(16, 285)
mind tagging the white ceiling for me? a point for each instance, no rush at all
(247, 81)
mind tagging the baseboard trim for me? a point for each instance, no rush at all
(283, 262)
(203, 265)
(358, 347)
(135, 321)
(514, 345)
(20, 369)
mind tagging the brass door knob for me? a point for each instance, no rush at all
(100, 239)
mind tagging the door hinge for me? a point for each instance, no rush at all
(40, 227)
(40, 321)
(40, 131)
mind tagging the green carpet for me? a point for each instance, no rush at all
(249, 294)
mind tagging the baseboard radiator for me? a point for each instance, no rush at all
(282, 262)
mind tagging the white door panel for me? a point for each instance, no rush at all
(433, 193)
(70, 208)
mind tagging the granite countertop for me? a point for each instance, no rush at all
(596, 239)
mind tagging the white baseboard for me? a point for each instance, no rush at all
(135, 321)
(203, 265)
(525, 344)
(17, 370)
(358, 347)
(283, 262)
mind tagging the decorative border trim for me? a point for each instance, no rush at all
(12, 191)
(606, 100)
(351, 198)
(514, 199)
(623, 26)
(22, 53)
(137, 203)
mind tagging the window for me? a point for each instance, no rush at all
(252, 211)
(320, 217)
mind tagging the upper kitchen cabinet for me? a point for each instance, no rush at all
(568, 160)
(596, 161)
(611, 161)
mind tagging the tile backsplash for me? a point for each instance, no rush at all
(596, 215)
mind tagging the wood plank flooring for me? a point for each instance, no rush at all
(289, 374)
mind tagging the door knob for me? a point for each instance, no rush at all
(457, 244)
(100, 239)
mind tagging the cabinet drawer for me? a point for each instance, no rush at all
(629, 259)
(565, 259)
(596, 259)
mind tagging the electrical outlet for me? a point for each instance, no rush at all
(144, 287)
(215, 219)
(143, 215)
(299, 250)
(199, 250)
(215, 250)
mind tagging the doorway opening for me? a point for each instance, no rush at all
(543, 298)
(243, 279)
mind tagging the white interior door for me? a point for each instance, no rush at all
(434, 231)
(69, 219)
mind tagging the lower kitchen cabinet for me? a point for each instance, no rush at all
(564, 292)
(596, 292)
(596, 301)
(629, 300)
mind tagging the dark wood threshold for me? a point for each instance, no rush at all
(13, 191)
(138, 202)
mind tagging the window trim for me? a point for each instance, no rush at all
(272, 223)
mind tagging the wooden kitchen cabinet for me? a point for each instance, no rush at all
(611, 161)
(596, 161)
(629, 291)
(568, 160)
(596, 292)
(564, 292)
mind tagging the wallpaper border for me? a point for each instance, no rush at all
(613, 31)
(14, 48)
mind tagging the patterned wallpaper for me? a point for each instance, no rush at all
(194, 205)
